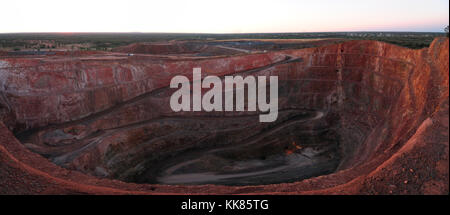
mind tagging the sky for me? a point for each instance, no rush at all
(225, 16)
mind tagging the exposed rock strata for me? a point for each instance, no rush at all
(387, 105)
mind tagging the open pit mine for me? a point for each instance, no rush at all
(357, 117)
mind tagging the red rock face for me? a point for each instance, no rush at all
(107, 117)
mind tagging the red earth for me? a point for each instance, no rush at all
(389, 106)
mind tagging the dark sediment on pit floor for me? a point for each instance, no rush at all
(387, 106)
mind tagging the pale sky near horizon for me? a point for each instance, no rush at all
(229, 16)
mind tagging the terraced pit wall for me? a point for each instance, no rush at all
(377, 97)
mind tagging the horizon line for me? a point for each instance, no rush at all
(149, 32)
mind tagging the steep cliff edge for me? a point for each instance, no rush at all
(387, 106)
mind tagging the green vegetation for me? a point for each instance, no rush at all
(409, 42)
(106, 41)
